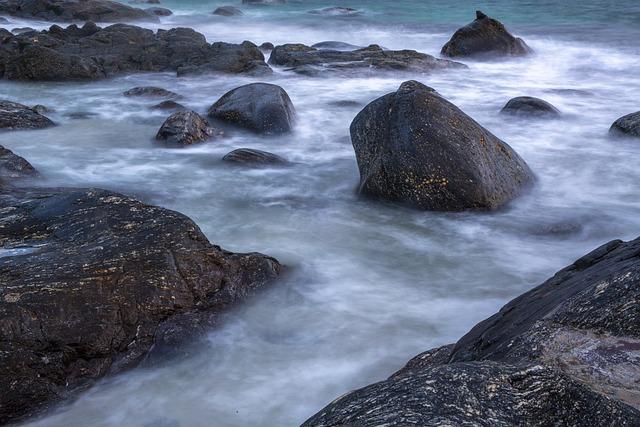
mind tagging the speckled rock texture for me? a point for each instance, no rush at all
(14, 168)
(260, 107)
(75, 10)
(250, 157)
(315, 61)
(628, 125)
(18, 116)
(529, 106)
(92, 281)
(565, 353)
(484, 37)
(184, 128)
(91, 52)
(416, 148)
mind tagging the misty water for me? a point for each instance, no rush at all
(368, 284)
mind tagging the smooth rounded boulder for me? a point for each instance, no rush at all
(18, 116)
(184, 128)
(416, 148)
(530, 106)
(628, 125)
(254, 158)
(484, 36)
(228, 11)
(150, 92)
(260, 107)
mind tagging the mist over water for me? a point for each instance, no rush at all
(369, 285)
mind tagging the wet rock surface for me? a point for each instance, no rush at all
(13, 168)
(228, 11)
(184, 128)
(528, 106)
(416, 148)
(628, 125)
(18, 116)
(484, 37)
(260, 107)
(91, 52)
(311, 60)
(253, 158)
(151, 92)
(75, 10)
(116, 279)
(564, 353)
(168, 105)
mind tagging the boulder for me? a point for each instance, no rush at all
(18, 116)
(184, 128)
(334, 45)
(75, 10)
(486, 37)
(168, 105)
(254, 158)
(260, 107)
(309, 60)
(228, 11)
(115, 279)
(564, 353)
(91, 52)
(159, 11)
(266, 46)
(529, 106)
(22, 30)
(151, 92)
(14, 168)
(628, 125)
(416, 148)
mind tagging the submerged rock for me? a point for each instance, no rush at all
(304, 59)
(484, 36)
(75, 10)
(184, 128)
(168, 105)
(251, 157)
(159, 11)
(564, 353)
(14, 167)
(18, 116)
(415, 147)
(91, 52)
(151, 92)
(529, 106)
(114, 277)
(334, 45)
(336, 11)
(628, 125)
(228, 11)
(260, 107)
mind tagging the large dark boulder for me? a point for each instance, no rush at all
(91, 52)
(18, 116)
(260, 107)
(253, 158)
(416, 148)
(530, 107)
(564, 353)
(14, 168)
(75, 10)
(184, 128)
(485, 37)
(96, 281)
(628, 125)
(309, 60)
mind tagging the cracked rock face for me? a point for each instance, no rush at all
(91, 280)
(564, 353)
(415, 147)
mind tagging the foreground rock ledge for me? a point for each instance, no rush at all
(564, 353)
(91, 280)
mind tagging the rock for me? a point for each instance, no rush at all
(159, 11)
(564, 353)
(228, 11)
(251, 157)
(81, 115)
(260, 107)
(529, 106)
(14, 167)
(75, 10)
(484, 36)
(18, 116)
(346, 103)
(151, 92)
(41, 109)
(263, 2)
(416, 148)
(168, 105)
(309, 60)
(91, 52)
(114, 275)
(336, 11)
(334, 45)
(266, 46)
(184, 128)
(628, 125)
(22, 30)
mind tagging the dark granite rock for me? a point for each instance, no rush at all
(14, 168)
(628, 125)
(168, 105)
(228, 11)
(74, 10)
(416, 148)
(530, 106)
(254, 158)
(259, 107)
(267, 46)
(22, 30)
(18, 116)
(159, 11)
(91, 52)
(184, 128)
(335, 45)
(304, 59)
(564, 353)
(151, 92)
(484, 36)
(114, 276)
